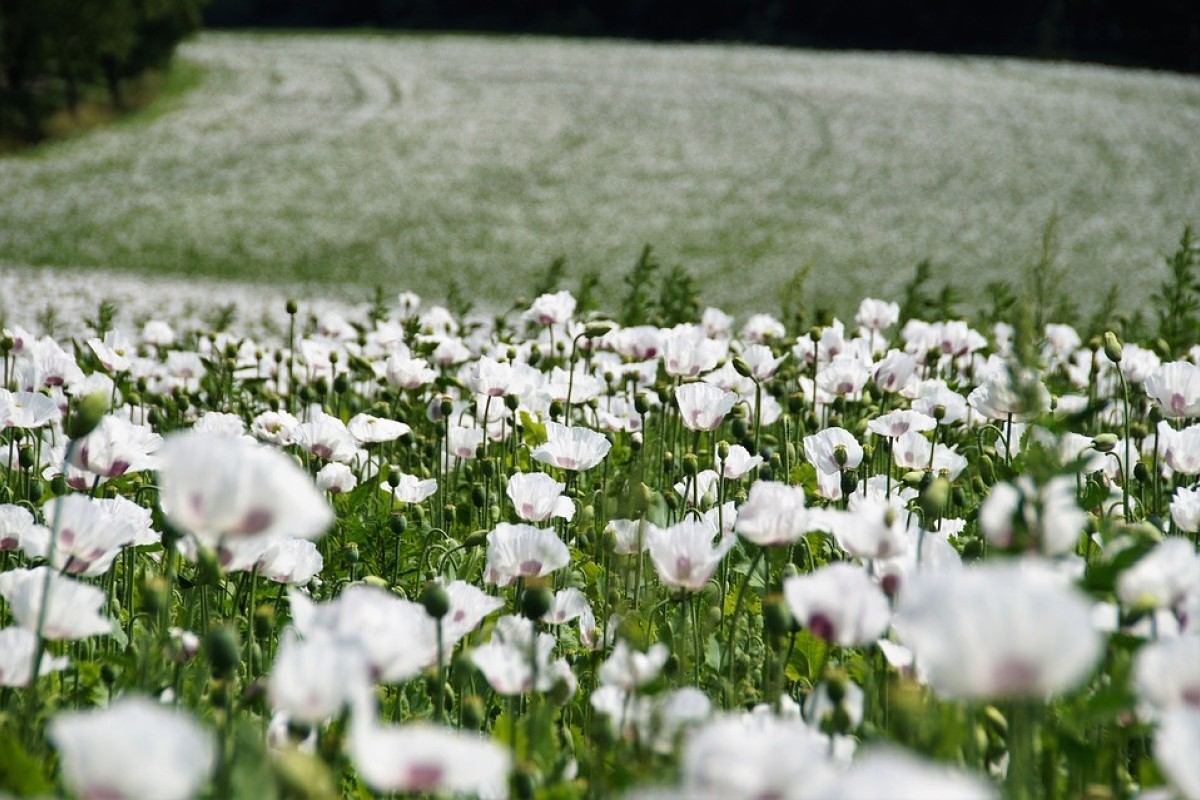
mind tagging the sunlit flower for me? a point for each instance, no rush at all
(833, 449)
(368, 429)
(1167, 675)
(884, 772)
(1175, 389)
(1044, 518)
(703, 406)
(838, 603)
(537, 497)
(756, 756)
(17, 526)
(326, 437)
(569, 604)
(687, 352)
(216, 488)
(16, 657)
(422, 759)
(684, 553)
(523, 551)
(552, 309)
(88, 537)
(404, 372)
(274, 427)
(335, 478)
(627, 669)
(291, 561)
(397, 636)
(899, 422)
(505, 659)
(411, 489)
(314, 678)
(572, 448)
(135, 749)
(73, 608)
(998, 630)
(774, 514)
(1185, 509)
(27, 409)
(1163, 578)
(738, 463)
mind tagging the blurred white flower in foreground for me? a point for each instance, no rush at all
(218, 488)
(133, 750)
(998, 630)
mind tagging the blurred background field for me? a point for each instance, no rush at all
(414, 161)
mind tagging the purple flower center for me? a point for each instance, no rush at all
(822, 626)
(424, 777)
(531, 567)
(256, 520)
(1015, 676)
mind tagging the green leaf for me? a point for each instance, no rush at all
(21, 773)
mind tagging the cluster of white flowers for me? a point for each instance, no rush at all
(558, 402)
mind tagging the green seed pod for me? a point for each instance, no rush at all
(536, 601)
(223, 648)
(1113, 349)
(87, 415)
(435, 599)
(473, 713)
(849, 482)
(155, 596)
(987, 469)
(264, 621)
(777, 617)
(208, 567)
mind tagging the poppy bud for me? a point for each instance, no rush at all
(849, 482)
(777, 617)
(1113, 348)
(1105, 442)
(88, 413)
(536, 601)
(154, 595)
(473, 713)
(987, 469)
(597, 329)
(208, 567)
(741, 367)
(223, 649)
(436, 600)
(291, 307)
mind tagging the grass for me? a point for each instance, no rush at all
(406, 160)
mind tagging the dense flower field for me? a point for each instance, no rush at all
(386, 550)
(405, 159)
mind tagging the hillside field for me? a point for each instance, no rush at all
(400, 160)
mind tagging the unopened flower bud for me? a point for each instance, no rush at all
(87, 415)
(1105, 442)
(741, 367)
(1113, 349)
(435, 599)
(536, 601)
(223, 649)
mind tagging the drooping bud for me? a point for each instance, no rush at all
(1113, 348)
(435, 599)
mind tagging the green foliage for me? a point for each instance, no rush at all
(638, 281)
(922, 300)
(550, 279)
(1178, 297)
(53, 53)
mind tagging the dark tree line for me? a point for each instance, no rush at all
(1155, 33)
(53, 53)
